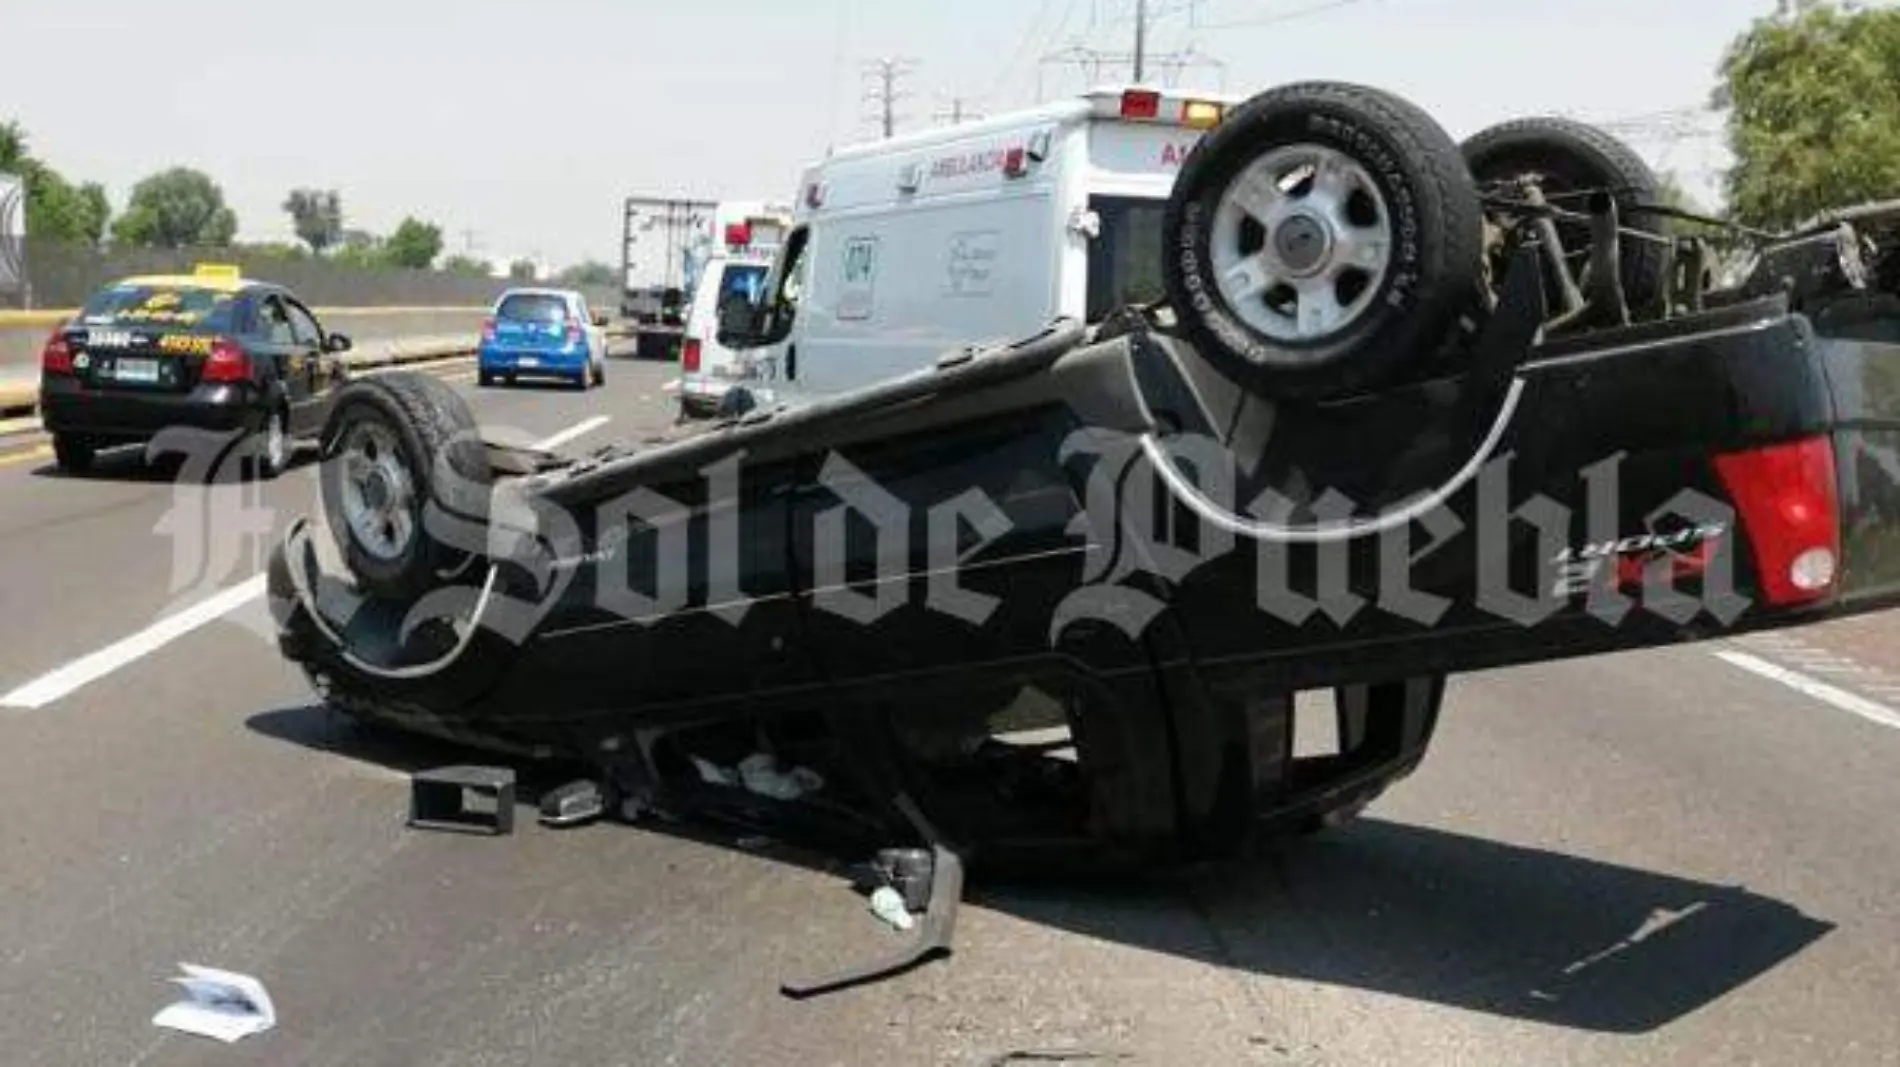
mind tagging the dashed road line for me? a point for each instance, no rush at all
(63, 681)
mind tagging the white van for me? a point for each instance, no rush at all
(904, 249)
(734, 268)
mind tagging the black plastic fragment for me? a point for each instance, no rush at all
(933, 938)
(478, 800)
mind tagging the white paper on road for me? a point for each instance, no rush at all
(222, 1005)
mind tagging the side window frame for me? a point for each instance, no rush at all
(780, 312)
(294, 308)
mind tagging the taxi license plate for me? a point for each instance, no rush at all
(528, 361)
(136, 370)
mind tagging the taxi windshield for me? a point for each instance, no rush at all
(176, 306)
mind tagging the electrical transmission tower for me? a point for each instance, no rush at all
(959, 111)
(882, 92)
(1140, 62)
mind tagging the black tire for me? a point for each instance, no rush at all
(73, 454)
(1433, 222)
(431, 428)
(484, 379)
(1569, 158)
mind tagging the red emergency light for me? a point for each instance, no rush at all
(738, 234)
(1141, 104)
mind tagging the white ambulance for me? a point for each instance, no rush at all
(904, 249)
(748, 235)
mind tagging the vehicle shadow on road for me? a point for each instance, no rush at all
(1448, 919)
(129, 465)
(330, 732)
(117, 465)
(1380, 906)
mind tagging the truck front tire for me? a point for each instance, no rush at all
(401, 460)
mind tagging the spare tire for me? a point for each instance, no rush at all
(1321, 238)
(1568, 160)
(402, 465)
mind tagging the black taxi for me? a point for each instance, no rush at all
(210, 350)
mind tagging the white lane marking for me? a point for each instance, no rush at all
(1853, 703)
(63, 681)
(58, 683)
(569, 434)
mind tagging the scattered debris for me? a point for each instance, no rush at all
(760, 774)
(477, 800)
(939, 925)
(713, 774)
(218, 1004)
(574, 804)
(906, 870)
(888, 904)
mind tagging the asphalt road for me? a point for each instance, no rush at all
(1667, 857)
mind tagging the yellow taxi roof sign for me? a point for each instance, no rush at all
(227, 272)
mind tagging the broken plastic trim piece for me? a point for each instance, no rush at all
(939, 925)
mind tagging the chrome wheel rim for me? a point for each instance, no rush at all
(1302, 243)
(379, 491)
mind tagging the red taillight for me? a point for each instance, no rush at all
(57, 356)
(573, 332)
(689, 355)
(1015, 162)
(1141, 104)
(226, 363)
(1788, 503)
(488, 330)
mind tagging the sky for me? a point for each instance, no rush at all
(519, 127)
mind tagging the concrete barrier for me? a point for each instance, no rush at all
(23, 333)
(20, 394)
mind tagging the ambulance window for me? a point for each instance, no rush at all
(1125, 261)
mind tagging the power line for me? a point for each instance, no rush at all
(1289, 15)
(1095, 60)
(884, 75)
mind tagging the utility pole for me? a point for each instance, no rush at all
(884, 93)
(1141, 39)
(957, 113)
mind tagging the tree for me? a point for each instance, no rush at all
(591, 274)
(176, 208)
(317, 216)
(55, 209)
(522, 270)
(276, 250)
(415, 244)
(1814, 111)
(467, 265)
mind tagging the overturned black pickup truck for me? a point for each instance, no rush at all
(1050, 602)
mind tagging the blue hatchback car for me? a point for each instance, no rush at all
(542, 333)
